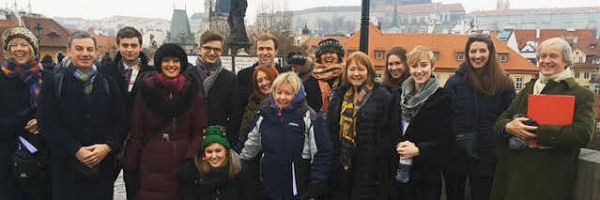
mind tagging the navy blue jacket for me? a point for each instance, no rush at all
(288, 140)
(472, 112)
(70, 121)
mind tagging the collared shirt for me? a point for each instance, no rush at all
(132, 73)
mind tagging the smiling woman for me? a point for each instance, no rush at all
(168, 119)
(20, 86)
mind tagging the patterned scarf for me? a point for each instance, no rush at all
(87, 78)
(348, 116)
(411, 101)
(541, 82)
(324, 73)
(30, 74)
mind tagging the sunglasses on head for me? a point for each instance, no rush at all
(480, 35)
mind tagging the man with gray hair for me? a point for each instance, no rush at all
(544, 166)
(82, 113)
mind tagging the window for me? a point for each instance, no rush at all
(597, 89)
(586, 75)
(460, 57)
(379, 55)
(576, 74)
(436, 54)
(503, 57)
(519, 83)
(580, 59)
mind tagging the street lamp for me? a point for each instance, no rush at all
(364, 27)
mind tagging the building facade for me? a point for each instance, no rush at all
(449, 50)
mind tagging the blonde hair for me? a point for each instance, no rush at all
(287, 78)
(9, 54)
(364, 60)
(420, 53)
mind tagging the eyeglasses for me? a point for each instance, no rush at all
(209, 49)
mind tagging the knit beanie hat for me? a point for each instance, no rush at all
(215, 134)
(20, 32)
(170, 50)
(330, 45)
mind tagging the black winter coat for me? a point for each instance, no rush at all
(313, 92)
(14, 97)
(244, 80)
(372, 169)
(115, 70)
(474, 113)
(430, 131)
(72, 120)
(222, 101)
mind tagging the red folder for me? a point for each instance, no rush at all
(554, 110)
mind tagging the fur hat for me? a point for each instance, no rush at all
(215, 134)
(170, 50)
(19, 32)
(330, 45)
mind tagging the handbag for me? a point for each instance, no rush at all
(26, 167)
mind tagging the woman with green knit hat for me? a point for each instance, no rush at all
(213, 174)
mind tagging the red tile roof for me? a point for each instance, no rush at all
(537, 11)
(447, 45)
(53, 34)
(523, 36)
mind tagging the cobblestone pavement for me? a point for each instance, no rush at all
(119, 193)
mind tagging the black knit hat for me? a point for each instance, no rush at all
(330, 45)
(170, 50)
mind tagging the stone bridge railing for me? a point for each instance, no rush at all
(587, 186)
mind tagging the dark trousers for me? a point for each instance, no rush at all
(480, 185)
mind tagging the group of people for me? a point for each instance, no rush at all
(326, 129)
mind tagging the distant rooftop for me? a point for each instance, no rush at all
(328, 9)
(537, 11)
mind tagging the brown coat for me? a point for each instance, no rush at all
(158, 144)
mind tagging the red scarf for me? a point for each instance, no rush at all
(174, 85)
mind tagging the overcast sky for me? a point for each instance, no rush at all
(95, 9)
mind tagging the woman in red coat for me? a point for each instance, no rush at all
(168, 120)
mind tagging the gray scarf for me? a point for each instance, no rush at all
(209, 73)
(410, 101)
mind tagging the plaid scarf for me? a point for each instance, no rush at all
(348, 116)
(87, 78)
(30, 74)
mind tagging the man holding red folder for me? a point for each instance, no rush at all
(546, 167)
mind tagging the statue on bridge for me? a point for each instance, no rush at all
(238, 38)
